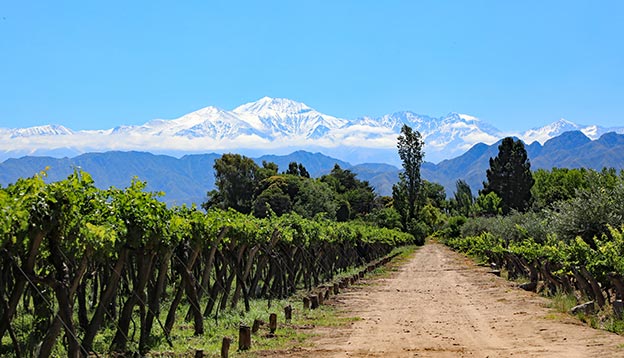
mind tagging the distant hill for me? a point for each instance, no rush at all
(189, 178)
(183, 180)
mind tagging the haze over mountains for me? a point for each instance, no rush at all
(278, 126)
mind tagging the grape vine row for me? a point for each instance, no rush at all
(78, 259)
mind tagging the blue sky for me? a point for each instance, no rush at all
(515, 64)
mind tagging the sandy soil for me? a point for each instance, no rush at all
(439, 304)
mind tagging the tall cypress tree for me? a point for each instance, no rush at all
(510, 177)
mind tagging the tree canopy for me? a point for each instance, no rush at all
(406, 191)
(510, 177)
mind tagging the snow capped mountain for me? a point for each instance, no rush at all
(286, 119)
(210, 122)
(549, 131)
(270, 125)
(396, 120)
(557, 128)
(444, 137)
(458, 132)
(47, 130)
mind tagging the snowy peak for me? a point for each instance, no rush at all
(466, 117)
(47, 130)
(267, 106)
(274, 124)
(396, 120)
(287, 120)
(543, 134)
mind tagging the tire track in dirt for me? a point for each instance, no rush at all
(439, 304)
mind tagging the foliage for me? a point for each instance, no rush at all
(297, 169)
(247, 188)
(272, 199)
(510, 177)
(463, 199)
(489, 204)
(406, 192)
(315, 197)
(591, 211)
(355, 197)
(433, 194)
(386, 217)
(236, 177)
(453, 227)
(558, 184)
(79, 262)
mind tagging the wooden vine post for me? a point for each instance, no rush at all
(314, 302)
(244, 338)
(256, 325)
(288, 313)
(273, 323)
(225, 347)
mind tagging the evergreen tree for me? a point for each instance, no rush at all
(297, 169)
(293, 169)
(303, 171)
(510, 177)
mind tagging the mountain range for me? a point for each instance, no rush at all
(278, 126)
(187, 179)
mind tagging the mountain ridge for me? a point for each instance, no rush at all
(269, 125)
(187, 179)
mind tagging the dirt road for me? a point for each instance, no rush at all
(439, 304)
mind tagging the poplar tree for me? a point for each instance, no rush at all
(406, 192)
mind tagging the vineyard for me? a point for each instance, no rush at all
(571, 242)
(77, 260)
(591, 271)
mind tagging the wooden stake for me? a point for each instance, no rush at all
(273, 323)
(288, 313)
(256, 325)
(244, 338)
(225, 347)
(306, 303)
(336, 289)
(199, 353)
(314, 302)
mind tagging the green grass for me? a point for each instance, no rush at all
(562, 302)
(288, 334)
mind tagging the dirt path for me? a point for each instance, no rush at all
(439, 304)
